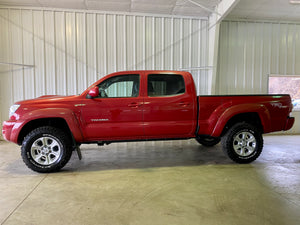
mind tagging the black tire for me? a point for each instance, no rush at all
(243, 143)
(208, 141)
(46, 149)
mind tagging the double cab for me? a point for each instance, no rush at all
(140, 106)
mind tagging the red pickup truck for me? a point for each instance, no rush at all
(143, 105)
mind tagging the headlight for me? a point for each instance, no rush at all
(13, 109)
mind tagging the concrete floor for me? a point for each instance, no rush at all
(172, 182)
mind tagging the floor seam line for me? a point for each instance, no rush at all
(18, 206)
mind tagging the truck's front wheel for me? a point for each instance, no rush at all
(242, 143)
(46, 149)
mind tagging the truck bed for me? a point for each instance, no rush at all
(220, 108)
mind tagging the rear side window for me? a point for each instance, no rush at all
(165, 85)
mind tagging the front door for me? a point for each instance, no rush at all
(117, 113)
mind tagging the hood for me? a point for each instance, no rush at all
(47, 99)
(52, 96)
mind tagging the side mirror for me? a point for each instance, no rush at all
(93, 93)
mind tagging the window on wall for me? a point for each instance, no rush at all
(286, 84)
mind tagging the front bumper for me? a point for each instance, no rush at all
(10, 131)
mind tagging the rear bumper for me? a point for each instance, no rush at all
(289, 123)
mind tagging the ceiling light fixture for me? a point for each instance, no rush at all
(294, 2)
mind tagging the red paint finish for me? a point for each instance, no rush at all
(112, 118)
(171, 116)
(140, 115)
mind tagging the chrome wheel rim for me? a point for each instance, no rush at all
(46, 151)
(244, 143)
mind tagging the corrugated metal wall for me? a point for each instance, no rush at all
(69, 50)
(250, 51)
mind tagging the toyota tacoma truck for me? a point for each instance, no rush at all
(141, 106)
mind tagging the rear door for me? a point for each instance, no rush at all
(168, 109)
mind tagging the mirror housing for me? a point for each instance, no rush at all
(93, 93)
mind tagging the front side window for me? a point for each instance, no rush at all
(165, 85)
(124, 86)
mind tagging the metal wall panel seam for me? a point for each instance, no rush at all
(236, 65)
(190, 44)
(115, 43)
(261, 60)
(162, 43)
(144, 42)
(85, 64)
(125, 42)
(286, 50)
(5, 102)
(253, 60)
(153, 43)
(205, 50)
(245, 59)
(86, 53)
(134, 43)
(66, 55)
(181, 44)
(22, 43)
(105, 42)
(33, 51)
(227, 60)
(270, 49)
(96, 72)
(10, 56)
(76, 54)
(199, 55)
(96, 44)
(45, 62)
(278, 52)
(172, 44)
(294, 50)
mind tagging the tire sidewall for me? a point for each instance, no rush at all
(256, 139)
(54, 133)
(229, 139)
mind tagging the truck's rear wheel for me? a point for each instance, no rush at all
(242, 143)
(46, 149)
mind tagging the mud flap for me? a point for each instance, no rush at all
(78, 152)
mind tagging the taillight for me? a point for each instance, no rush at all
(291, 109)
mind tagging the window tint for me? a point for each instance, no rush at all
(123, 86)
(165, 85)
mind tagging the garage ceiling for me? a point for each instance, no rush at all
(279, 10)
(168, 7)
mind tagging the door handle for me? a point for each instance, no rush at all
(134, 105)
(183, 104)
